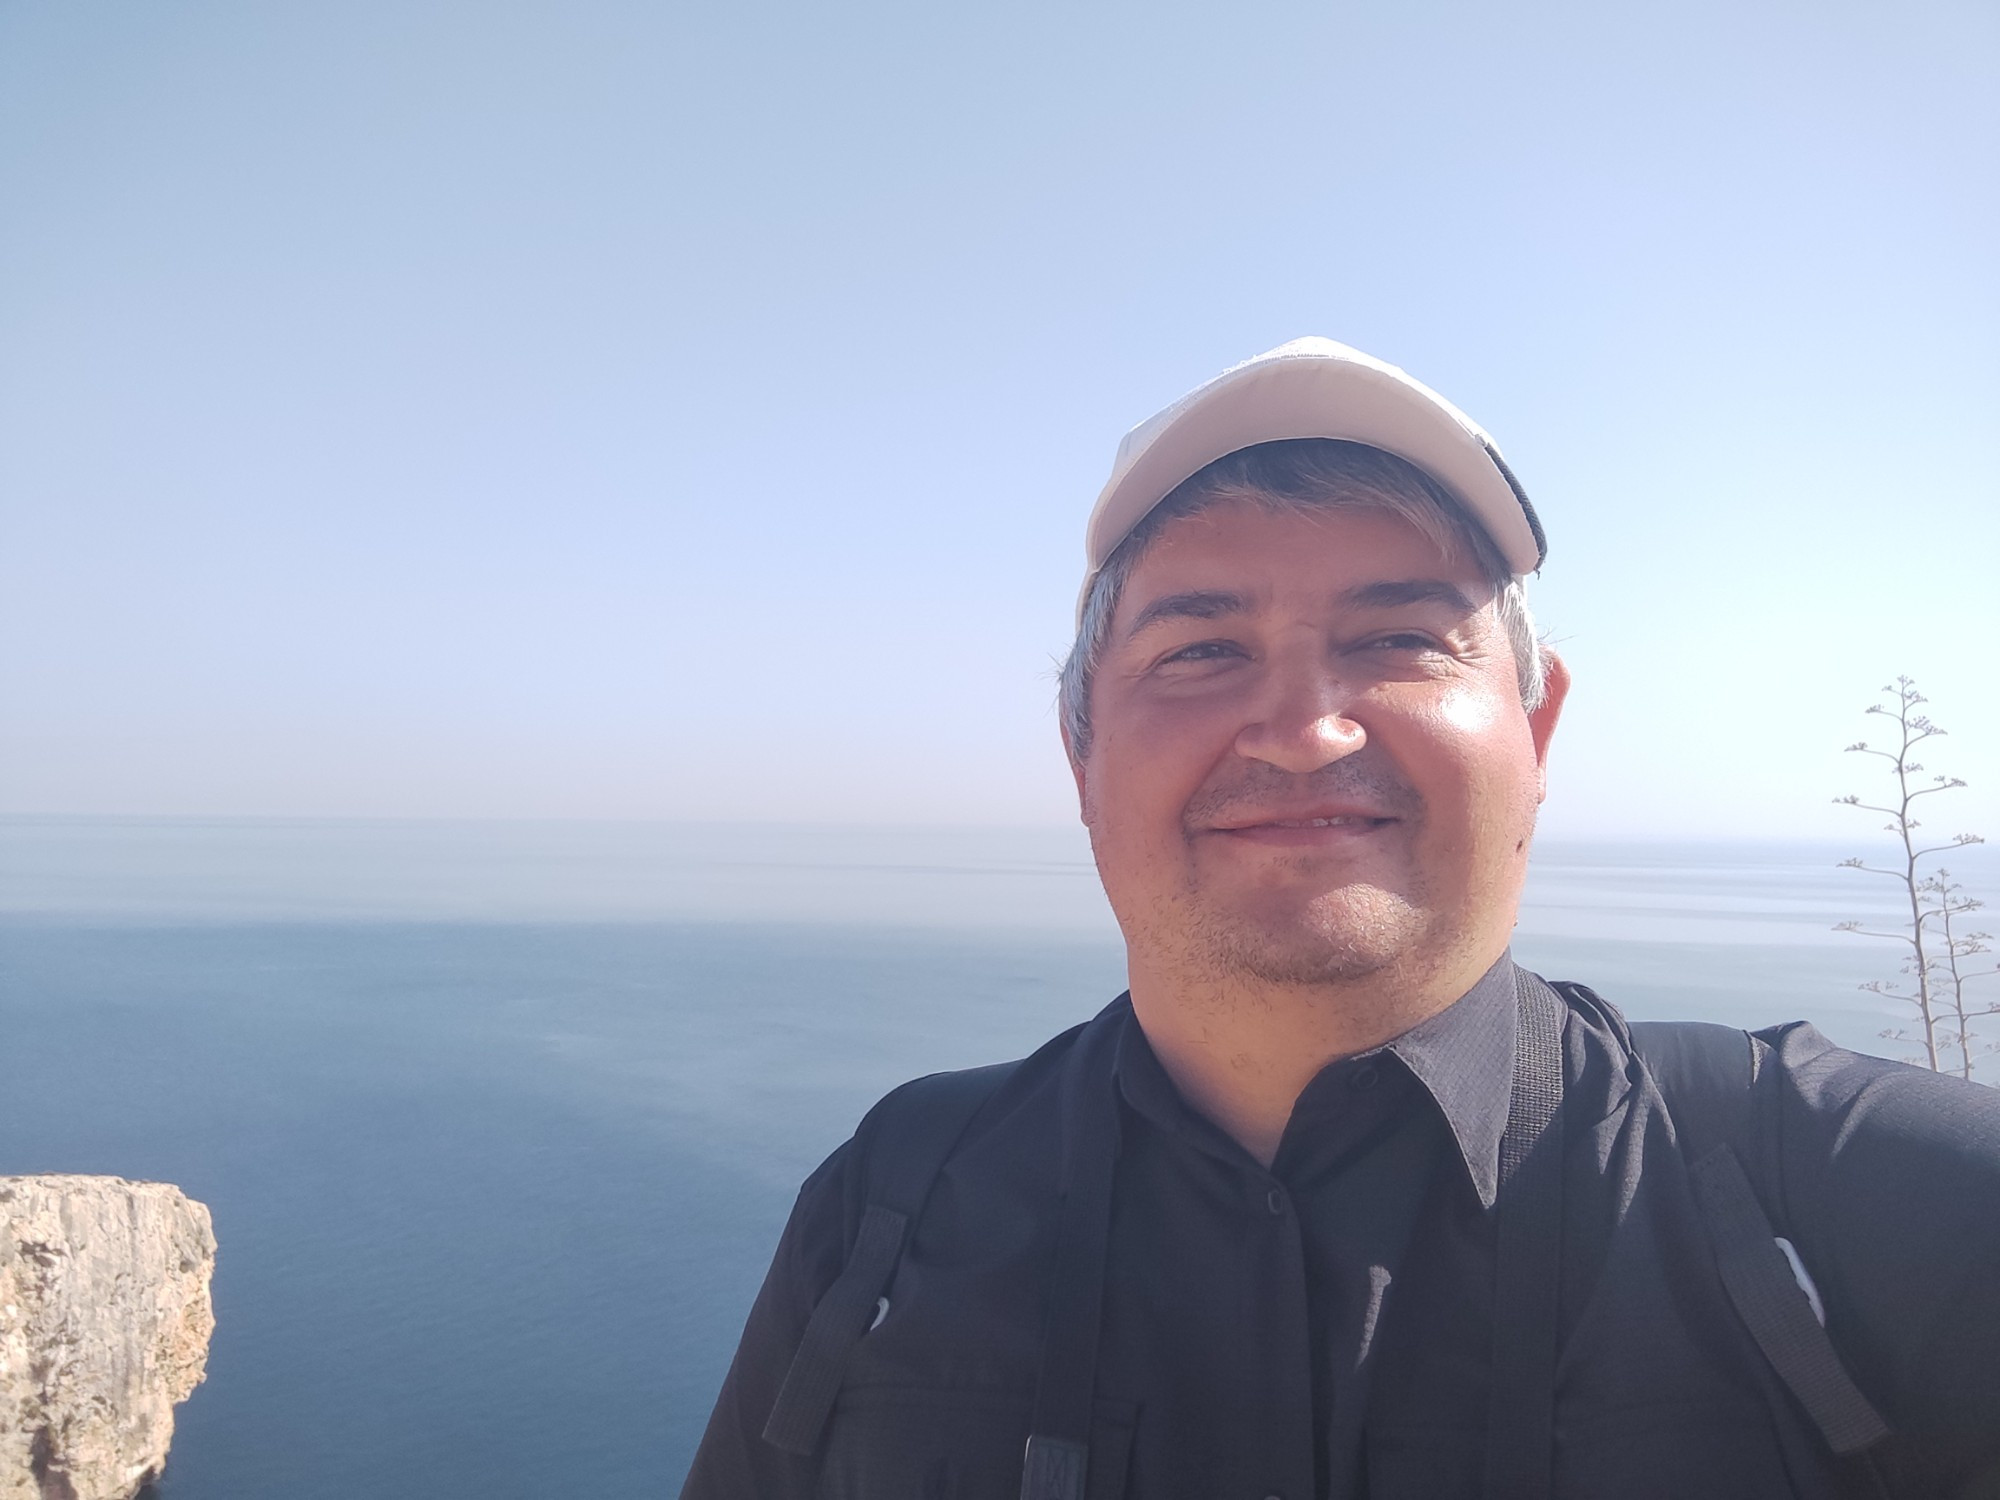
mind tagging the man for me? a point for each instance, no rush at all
(1338, 1202)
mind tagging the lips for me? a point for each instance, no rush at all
(1315, 829)
(1335, 820)
(1348, 805)
(1316, 818)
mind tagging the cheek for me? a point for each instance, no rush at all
(1470, 713)
(1478, 743)
(1152, 761)
(1123, 793)
(1462, 739)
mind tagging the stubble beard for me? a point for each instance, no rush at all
(1335, 938)
(1315, 926)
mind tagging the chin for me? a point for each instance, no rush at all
(1337, 937)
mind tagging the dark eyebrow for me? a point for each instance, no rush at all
(1389, 593)
(1393, 592)
(1196, 604)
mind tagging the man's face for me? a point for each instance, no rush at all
(1309, 760)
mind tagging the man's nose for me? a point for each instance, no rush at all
(1302, 722)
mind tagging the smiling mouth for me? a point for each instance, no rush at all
(1339, 820)
(1333, 827)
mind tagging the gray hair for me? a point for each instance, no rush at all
(1302, 475)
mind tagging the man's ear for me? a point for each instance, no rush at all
(1076, 770)
(1542, 722)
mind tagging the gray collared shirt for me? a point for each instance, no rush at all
(1322, 1328)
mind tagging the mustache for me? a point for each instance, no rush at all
(1258, 788)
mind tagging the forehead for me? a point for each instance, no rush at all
(1265, 554)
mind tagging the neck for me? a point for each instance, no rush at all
(1241, 1051)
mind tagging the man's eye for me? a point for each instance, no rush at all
(1203, 651)
(1403, 640)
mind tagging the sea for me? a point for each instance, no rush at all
(498, 1122)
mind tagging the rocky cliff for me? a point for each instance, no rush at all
(104, 1325)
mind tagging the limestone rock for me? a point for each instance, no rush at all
(104, 1325)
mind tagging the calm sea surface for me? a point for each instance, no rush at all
(498, 1122)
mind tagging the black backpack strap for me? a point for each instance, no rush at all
(903, 1144)
(1056, 1464)
(1774, 1308)
(1520, 1416)
(1709, 1077)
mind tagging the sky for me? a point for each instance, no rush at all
(606, 409)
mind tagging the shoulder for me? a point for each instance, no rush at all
(1869, 1115)
(976, 1100)
(1834, 1077)
(1861, 1119)
(1003, 1118)
(1892, 1168)
(1869, 1139)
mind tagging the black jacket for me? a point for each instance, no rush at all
(1325, 1328)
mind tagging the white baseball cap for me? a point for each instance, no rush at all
(1314, 388)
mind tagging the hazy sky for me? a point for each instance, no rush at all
(637, 409)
